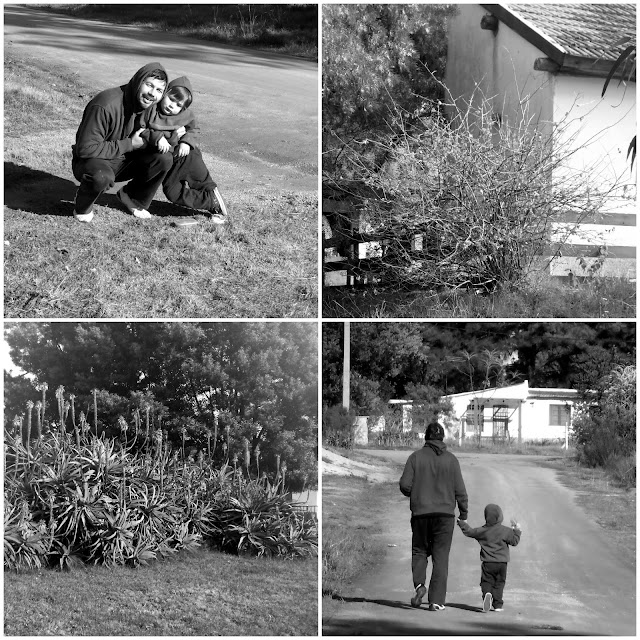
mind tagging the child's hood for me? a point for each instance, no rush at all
(493, 514)
(182, 81)
(133, 86)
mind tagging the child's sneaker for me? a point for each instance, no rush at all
(497, 609)
(421, 591)
(218, 213)
(133, 206)
(436, 607)
(487, 602)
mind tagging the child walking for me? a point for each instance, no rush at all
(494, 539)
(188, 182)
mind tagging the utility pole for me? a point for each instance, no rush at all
(346, 366)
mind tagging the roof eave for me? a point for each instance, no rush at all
(581, 66)
(522, 28)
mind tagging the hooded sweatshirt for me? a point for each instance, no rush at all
(433, 481)
(160, 125)
(109, 119)
(494, 537)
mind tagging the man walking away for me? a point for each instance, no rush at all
(433, 481)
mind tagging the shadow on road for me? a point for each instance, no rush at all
(438, 626)
(43, 193)
(396, 604)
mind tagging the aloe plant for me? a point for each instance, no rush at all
(80, 498)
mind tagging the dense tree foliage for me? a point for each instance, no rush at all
(253, 381)
(403, 360)
(376, 57)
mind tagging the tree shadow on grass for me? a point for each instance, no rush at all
(43, 193)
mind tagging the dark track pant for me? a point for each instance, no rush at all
(494, 576)
(144, 169)
(432, 536)
(192, 169)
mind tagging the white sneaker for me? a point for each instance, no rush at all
(133, 206)
(487, 602)
(83, 217)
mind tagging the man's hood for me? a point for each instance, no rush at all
(492, 514)
(133, 86)
(182, 81)
(437, 445)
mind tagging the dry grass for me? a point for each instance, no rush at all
(262, 263)
(204, 594)
(596, 298)
(611, 506)
(352, 538)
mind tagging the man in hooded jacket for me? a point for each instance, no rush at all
(107, 150)
(433, 481)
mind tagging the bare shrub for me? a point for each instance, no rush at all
(470, 200)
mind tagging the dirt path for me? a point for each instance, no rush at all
(258, 112)
(564, 579)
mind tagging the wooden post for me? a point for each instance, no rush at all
(346, 366)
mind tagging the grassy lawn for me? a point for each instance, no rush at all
(203, 594)
(262, 263)
(598, 298)
(288, 29)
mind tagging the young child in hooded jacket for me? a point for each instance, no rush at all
(188, 182)
(495, 539)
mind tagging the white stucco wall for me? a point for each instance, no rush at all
(602, 129)
(534, 412)
(501, 65)
(535, 420)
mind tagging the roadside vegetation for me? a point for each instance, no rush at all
(282, 28)
(119, 266)
(594, 297)
(352, 538)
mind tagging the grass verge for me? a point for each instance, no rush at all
(597, 298)
(287, 29)
(119, 266)
(611, 506)
(203, 594)
(352, 538)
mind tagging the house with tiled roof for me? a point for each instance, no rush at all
(556, 57)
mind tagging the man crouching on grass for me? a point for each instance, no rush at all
(107, 150)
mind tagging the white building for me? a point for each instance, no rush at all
(556, 57)
(518, 412)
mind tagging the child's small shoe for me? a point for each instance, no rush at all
(487, 602)
(497, 609)
(217, 216)
(420, 593)
(436, 607)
